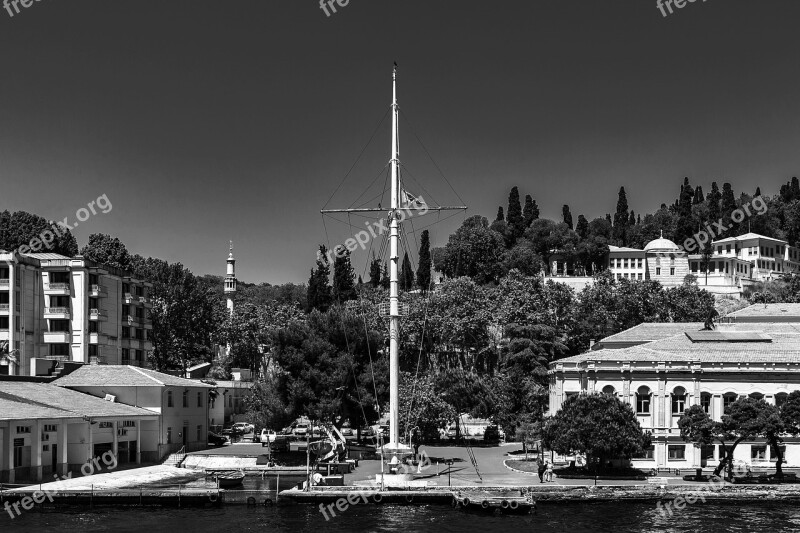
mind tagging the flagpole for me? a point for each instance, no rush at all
(394, 312)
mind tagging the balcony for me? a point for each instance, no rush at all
(5, 309)
(98, 338)
(57, 289)
(97, 314)
(59, 358)
(5, 283)
(129, 298)
(97, 360)
(57, 312)
(57, 337)
(98, 291)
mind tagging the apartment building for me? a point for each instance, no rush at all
(768, 258)
(55, 309)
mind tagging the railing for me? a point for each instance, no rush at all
(56, 310)
(5, 307)
(98, 289)
(56, 286)
(97, 360)
(56, 357)
(5, 282)
(96, 313)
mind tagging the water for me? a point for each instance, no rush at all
(617, 517)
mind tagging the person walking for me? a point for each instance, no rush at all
(549, 472)
(542, 470)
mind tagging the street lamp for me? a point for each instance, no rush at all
(449, 464)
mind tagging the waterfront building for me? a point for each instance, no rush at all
(48, 431)
(660, 370)
(183, 404)
(56, 309)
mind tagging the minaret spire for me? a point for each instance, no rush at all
(230, 279)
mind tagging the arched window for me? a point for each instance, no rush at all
(609, 389)
(643, 401)
(757, 396)
(705, 402)
(678, 401)
(727, 399)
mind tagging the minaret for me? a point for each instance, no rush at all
(230, 280)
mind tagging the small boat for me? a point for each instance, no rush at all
(230, 479)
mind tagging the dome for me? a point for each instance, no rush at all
(662, 245)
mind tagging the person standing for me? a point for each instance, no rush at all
(542, 470)
(549, 472)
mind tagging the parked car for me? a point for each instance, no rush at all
(215, 439)
(243, 428)
(452, 433)
(384, 429)
(347, 432)
(300, 430)
(267, 437)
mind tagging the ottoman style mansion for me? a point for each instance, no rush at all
(662, 369)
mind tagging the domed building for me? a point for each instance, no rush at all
(661, 260)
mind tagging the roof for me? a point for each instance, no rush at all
(783, 348)
(44, 400)
(747, 237)
(46, 256)
(623, 249)
(123, 376)
(768, 310)
(662, 245)
(651, 331)
(14, 408)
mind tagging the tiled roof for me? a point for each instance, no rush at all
(651, 331)
(784, 348)
(748, 236)
(14, 408)
(768, 310)
(122, 376)
(46, 256)
(43, 399)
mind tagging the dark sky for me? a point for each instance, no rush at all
(204, 121)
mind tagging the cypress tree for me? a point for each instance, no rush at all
(319, 289)
(385, 277)
(514, 214)
(728, 207)
(632, 219)
(424, 268)
(500, 215)
(375, 272)
(406, 274)
(758, 191)
(343, 278)
(567, 216)
(530, 212)
(582, 228)
(713, 200)
(699, 198)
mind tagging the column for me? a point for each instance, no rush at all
(89, 443)
(716, 407)
(7, 447)
(696, 395)
(115, 447)
(661, 403)
(139, 441)
(36, 450)
(63, 455)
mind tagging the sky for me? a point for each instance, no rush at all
(204, 122)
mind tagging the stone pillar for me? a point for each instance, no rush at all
(115, 446)
(661, 403)
(63, 455)
(696, 394)
(716, 407)
(89, 443)
(626, 391)
(139, 441)
(36, 450)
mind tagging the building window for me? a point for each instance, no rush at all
(676, 452)
(781, 398)
(728, 399)
(129, 423)
(672, 271)
(18, 447)
(126, 332)
(186, 398)
(50, 428)
(92, 350)
(705, 402)
(658, 271)
(199, 433)
(609, 389)
(639, 276)
(23, 429)
(126, 356)
(169, 435)
(169, 398)
(199, 399)
(678, 401)
(140, 355)
(648, 453)
(773, 453)
(93, 327)
(105, 425)
(758, 453)
(643, 401)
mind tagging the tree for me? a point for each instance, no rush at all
(530, 212)
(728, 207)
(385, 281)
(582, 228)
(567, 216)
(406, 274)
(375, 272)
(500, 215)
(598, 425)
(425, 266)
(319, 289)
(26, 229)
(621, 218)
(421, 407)
(514, 214)
(475, 251)
(343, 278)
(107, 250)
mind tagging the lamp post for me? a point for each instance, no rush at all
(449, 464)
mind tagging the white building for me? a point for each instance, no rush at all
(55, 309)
(662, 371)
(182, 403)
